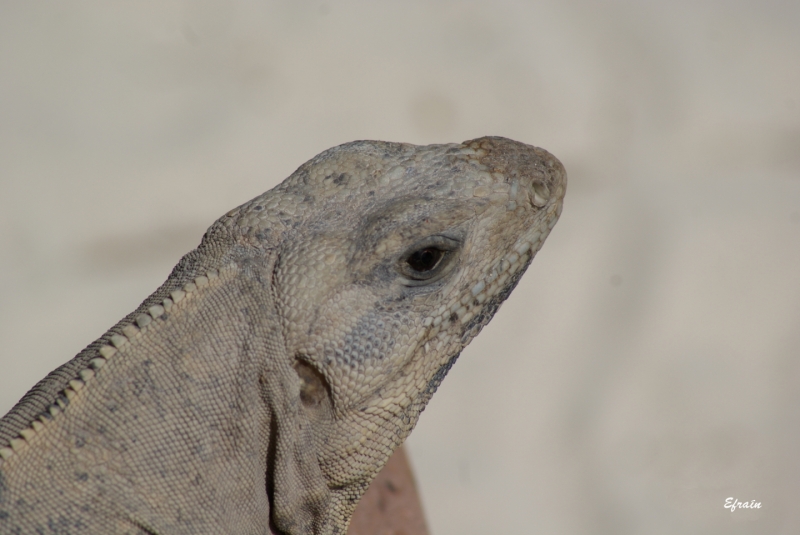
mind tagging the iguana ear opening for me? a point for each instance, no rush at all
(314, 389)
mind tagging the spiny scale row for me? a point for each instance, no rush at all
(105, 353)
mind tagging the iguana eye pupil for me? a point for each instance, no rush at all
(425, 259)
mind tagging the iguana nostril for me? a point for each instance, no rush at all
(541, 194)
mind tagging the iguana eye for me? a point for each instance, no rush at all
(428, 259)
(425, 259)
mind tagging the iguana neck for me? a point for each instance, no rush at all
(41, 400)
(172, 404)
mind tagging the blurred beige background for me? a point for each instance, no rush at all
(647, 367)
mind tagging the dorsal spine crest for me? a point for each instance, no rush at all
(104, 354)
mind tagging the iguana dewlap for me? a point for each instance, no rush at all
(263, 386)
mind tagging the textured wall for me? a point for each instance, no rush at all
(648, 366)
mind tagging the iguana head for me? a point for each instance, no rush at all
(390, 258)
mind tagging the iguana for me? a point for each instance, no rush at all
(268, 380)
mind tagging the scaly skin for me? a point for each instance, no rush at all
(263, 386)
